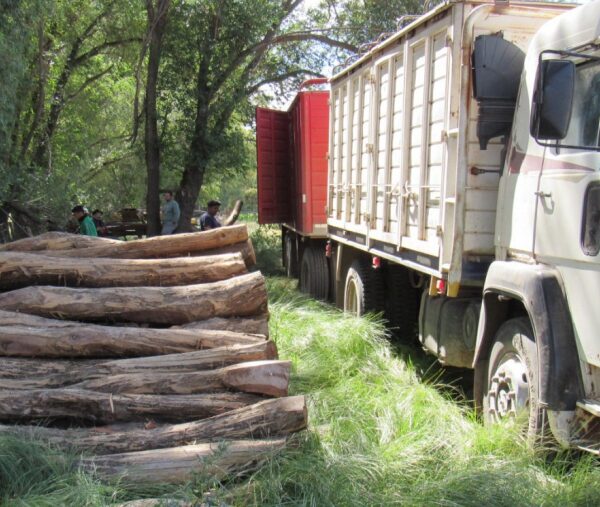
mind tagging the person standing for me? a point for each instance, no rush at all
(86, 224)
(209, 220)
(170, 214)
(99, 223)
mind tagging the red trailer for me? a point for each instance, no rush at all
(292, 182)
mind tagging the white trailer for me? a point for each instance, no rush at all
(462, 197)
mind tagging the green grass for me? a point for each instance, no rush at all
(383, 430)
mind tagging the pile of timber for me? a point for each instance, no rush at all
(151, 358)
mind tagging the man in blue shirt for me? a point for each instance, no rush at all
(208, 220)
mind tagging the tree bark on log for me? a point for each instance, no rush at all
(106, 408)
(240, 296)
(37, 373)
(19, 269)
(179, 464)
(269, 418)
(56, 241)
(268, 378)
(176, 245)
(251, 325)
(95, 341)
(244, 247)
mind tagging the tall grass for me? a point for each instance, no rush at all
(382, 431)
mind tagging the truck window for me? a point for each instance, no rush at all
(584, 129)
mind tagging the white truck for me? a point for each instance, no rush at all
(464, 195)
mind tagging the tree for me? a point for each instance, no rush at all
(234, 49)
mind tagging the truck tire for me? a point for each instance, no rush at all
(363, 290)
(290, 256)
(512, 383)
(314, 273)
(401, 302)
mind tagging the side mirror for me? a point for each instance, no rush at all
(553, 99)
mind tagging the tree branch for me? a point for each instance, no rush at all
(88, 82)
(98, 49)
(279, 79)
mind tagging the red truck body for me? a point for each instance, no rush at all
(292, 163)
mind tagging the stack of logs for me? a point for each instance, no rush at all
(149, 357)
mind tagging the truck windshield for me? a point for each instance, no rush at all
(584, 128)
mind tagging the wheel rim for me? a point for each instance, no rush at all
(351, 304)
(509, 389)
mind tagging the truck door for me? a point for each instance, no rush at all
(273, 165)
(567, 228)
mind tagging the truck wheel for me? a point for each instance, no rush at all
(290, 256)
(512, 384)
(401, 302)
(363, 290)
(314, 273)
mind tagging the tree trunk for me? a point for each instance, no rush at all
(18, 269)
(251, 325)
(106, 408)
(269, 418)
(268, 378)
(245, 248)
(241, 296)
(37, 373)
(157, 19)
(56, 241)
(181, 464)
(40, 337)
(178, 245)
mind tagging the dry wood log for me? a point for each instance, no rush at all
(25, 319)
(250, 325)
(95, 341)
(269, 378)
(36, 373)
(235, 213)
(106, 408)
(180, 464)
(269, 418)
(175, 245)
(245, 248)
(240, 296)
(56, 241)
(18, 269)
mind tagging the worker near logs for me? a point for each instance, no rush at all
(99, 223)
(170, 214)
(209, 220)
(86, 224)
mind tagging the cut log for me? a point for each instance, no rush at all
(106, 408)
(245, 248)
(176, 245)
(36, 373)
(95, 341)
(18, 269)
(235, 213)
(180, 464)
(269, 418)
(269, 378)
(25, 319)
(250, 325)
(56, 241)
(240, 296)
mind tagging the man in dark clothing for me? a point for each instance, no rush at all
(100, 227)
(86, 224)
(208, 220)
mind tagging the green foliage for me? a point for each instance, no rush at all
(266, 240)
